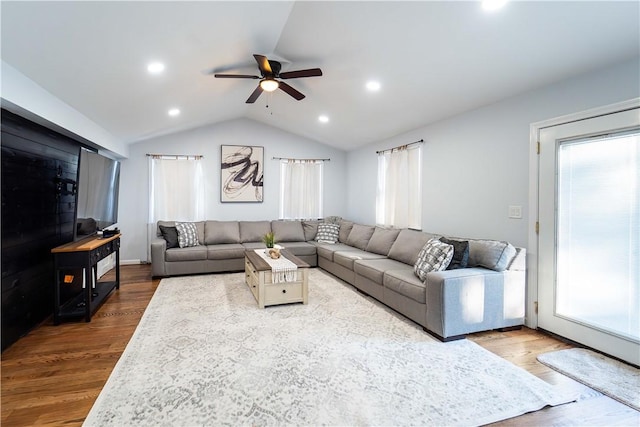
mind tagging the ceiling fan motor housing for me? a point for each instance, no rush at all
(275, 69)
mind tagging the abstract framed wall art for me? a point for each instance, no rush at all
(241, 173)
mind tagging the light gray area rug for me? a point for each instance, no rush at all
(205, 354)
(604, 374)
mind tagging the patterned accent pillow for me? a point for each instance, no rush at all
(434, 256)
(187, 234)
(328, 233)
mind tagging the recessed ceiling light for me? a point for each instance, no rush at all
(155, 67)
(493, 4)
(323, 119)
(373, 86)
(174, 112)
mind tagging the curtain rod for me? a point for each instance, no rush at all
(399, 147)
(177, 156)
(306, 160)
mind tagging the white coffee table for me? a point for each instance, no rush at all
(259, 279)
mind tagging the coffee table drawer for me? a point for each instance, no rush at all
(282, 293)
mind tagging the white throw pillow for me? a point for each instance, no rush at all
(187, 234)
(328, 233)
(434, 256)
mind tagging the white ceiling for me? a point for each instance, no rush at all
(433, 59)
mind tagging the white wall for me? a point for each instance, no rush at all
(476, 164)
(133, 203)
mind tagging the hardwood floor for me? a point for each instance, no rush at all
(53, 375)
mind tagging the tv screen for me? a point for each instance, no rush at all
(98, 185)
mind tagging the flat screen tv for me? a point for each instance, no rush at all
(98, 186)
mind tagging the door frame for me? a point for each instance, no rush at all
(531, 319)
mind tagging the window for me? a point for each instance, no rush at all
(176, 191)
(301, 189)
(598, 237)
(399, 195)
(176, 188)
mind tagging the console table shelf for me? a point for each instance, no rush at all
(84, 254)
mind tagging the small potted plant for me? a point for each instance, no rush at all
(269, 239)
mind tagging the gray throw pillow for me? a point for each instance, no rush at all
(460, 253)
(328, 233)
(187, 234)
(170, 234)
(434, 256)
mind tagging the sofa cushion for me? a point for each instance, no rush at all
(187, 234)
(253, 245)
(310, 230)
(192, 253)
(300, 248)
(460, 253)
(347, 258)
(326, 250)
(345, 229)
(405, 283)
(217, 232)
(328, 233)
(170, 234)
(373, 269)
(492, 254)
(253, 231)
(225, 251)
(288, 231)
(434, 256)
(359, 236)
(407, 245)
(382, 240)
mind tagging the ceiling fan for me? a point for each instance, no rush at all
(269, 72)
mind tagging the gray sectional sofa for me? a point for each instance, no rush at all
(488, 294)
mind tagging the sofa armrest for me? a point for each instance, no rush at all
(158, 249)
(469, 300)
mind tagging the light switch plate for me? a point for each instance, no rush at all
(515, 212)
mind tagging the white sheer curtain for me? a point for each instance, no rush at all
(399, 195)
(301, 189)
(176, 190)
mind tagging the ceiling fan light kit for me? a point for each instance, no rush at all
(269, 85)
(269, 72)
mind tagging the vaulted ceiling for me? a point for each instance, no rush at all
(432, 59)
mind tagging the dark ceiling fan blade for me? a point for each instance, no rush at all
(291, 91)
(312, 72)
(235, 76)
(263, 64)
(256, 93)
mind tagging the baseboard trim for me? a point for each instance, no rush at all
(130, 262)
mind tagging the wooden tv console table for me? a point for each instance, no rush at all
(84, 254)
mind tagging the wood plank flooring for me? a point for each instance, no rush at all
(53, 375)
